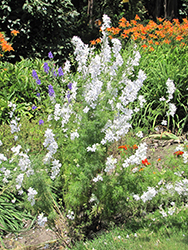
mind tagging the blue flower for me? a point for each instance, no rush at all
(50, 55)
(34, 107)
(60, 72)
(68, 96)
(38, 81)
(46, 67)
(70, 85)
(41, 122)
(34, 74)
(51, 90)
(55, 74)
(38, 94)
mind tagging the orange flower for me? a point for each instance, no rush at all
(179, 38)
(110, 37)
(156, 43)
(137, 17)
(15, 32)
(124, 35)
(150, 42)
(167, 41)
(141, 169)
(6, 46)
(135, 146)
(133, 22)
(145, 162)
(159, 159)
(178, 152)
(93, 42)
(123, 146)
(151, 48)
(98, 40)
(143, 37)
(160, 26)
(160, 19)
(154, 172)
(123, 19)
(144, 46)
(123, 25)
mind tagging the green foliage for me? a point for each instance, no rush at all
(18, 86)
(166, 62)
(43, 26)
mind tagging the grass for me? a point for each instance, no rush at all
(120, 238)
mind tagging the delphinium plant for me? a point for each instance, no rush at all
(90, 114)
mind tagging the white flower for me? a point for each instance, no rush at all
(42, 220)
(142, 100)
(55, 169)
(86, 109)
(16, 150)
(185, 157)
(19, 180)
(162, 99)
(1, 143)
(149, 194)
(93, 148)
(66, 67)
(98, 178)
(170, 89)
(164, 214)
(136, 197)
(31, 193)
(140, 134)
(172, 109)
(74, 135)
(110, 163)
(2, 158)
(70, 215)
(164, 122)
(134, 170)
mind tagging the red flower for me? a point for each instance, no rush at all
(124, 147)
(135, 146)
(145, 162)
(178, 152)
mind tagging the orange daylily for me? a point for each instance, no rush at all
(15, 32)
(93, 42)
(137, 17)
(179, 38)
(98, 40)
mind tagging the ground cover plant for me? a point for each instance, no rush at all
(93, 167)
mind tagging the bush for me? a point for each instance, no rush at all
(43, 26)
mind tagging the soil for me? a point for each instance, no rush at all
(45, 238)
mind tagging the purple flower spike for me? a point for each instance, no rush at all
(50, 55)
(34, 74)
(60, 72)
(41, 122)
(38, 81)
(38, 94)
(70, 85)
(51, 90)
(46, 67)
